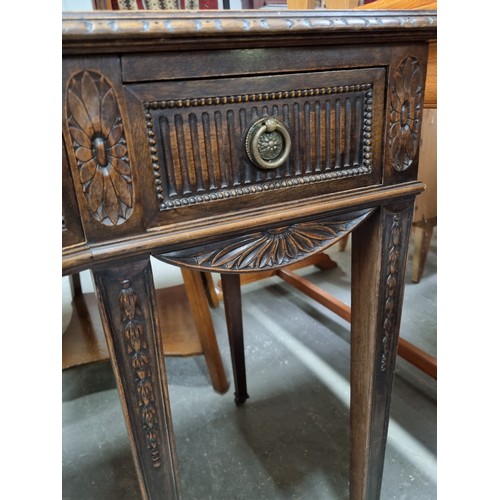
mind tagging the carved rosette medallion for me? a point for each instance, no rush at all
(270, 248)
(406, 107)
(139, 359)
(270, 145)
(100, 148)
(392, 280)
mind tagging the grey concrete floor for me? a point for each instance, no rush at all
(290, 440)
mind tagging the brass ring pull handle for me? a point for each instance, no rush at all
(268, 143)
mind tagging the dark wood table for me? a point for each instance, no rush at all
(237, 142)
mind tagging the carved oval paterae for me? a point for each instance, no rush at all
(100, 148)
(406, 113)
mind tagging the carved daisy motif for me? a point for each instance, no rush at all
(406, 111)
(270, 248)
(273, 248)
(100, 148)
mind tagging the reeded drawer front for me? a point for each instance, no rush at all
(197, 133)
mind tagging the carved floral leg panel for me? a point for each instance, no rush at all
(379, 255)
(231, 291)
(127, 306)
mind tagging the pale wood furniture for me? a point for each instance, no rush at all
(186, 328)
(235, 142)
(425, 216)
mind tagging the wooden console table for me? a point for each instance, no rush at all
(237, 142)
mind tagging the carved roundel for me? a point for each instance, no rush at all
(406, 113)
(100, 148)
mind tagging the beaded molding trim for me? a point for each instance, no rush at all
(265, 96)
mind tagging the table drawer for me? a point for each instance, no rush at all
(199, 136)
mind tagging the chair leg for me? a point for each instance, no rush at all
(214, 294)
(231, 290)
(201, 314)
(343, 243)
(76, 284)
(421, 243)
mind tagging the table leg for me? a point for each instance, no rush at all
(379, 253)
(127, 306)
(231, 292)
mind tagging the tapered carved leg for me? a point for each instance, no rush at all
(231, 291)
(126, 298)
(379, 252)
